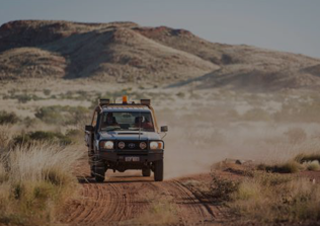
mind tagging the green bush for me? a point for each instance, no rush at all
(42, 136)
(22, 98)
(8, 118)
(303, 157)
(47, 92)
(312, 166)
(64, 115)
(180, 94)
(287, 167)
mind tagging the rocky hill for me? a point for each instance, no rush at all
(127, 52)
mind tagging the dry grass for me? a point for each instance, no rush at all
(162, 210)
(267, 197)
(5, 137)
(312, 165)
(286, 167)
(307, 157)
(300, 162)
(277, 198)
(222, 188)
(35, 182)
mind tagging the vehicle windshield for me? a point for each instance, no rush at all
(133, 121)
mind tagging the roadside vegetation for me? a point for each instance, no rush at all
(226, 123)
(8, 118)
(269, 193)
(273, 198)
(42, 136)
(300, 162)
(35, 180)
(62, 115)
(162, 210)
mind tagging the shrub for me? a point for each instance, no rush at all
(247, 190)
(65, 115)
(47, 92)
(222, 188)
(304, 157)
(270, 179)
(8, 118)
(75, 135)
(291, 200)
(5, 137)
(37, 181)
(312, 166)
(287, 167)
(23, 98)
(42, 136)
(180, 95)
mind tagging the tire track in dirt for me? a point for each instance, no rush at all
(122, 198)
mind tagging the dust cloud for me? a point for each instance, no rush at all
(193, 144)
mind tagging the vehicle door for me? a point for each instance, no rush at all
(89, 134)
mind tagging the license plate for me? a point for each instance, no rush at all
(132, 159)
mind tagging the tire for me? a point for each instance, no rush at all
(92, 171)
(146, 172)
(99, 174)
(90, 161)
(158, 170)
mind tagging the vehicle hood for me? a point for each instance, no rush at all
(129, 135)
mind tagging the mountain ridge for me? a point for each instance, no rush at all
(127, 52)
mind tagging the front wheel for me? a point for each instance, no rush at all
(99, 174)
(92, 171)
(158, 170)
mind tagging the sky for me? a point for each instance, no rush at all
(284, 25)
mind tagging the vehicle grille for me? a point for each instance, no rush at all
(131, 145)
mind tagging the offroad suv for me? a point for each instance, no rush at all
(124, 136)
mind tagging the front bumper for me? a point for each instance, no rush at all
(119, 156)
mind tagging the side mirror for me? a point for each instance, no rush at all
(164, 129)
(89, 128)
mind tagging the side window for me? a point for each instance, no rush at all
(94, 119)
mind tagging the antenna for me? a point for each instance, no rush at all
(140, 125)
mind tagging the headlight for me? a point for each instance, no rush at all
(121, 145)
(107, 144)
(156, 145)
(143, 145)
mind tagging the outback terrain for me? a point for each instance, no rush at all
(221, 102)
(127, 52)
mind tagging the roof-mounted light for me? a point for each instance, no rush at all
(145, 101)
(124, 99)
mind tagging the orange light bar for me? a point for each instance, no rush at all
(124, 99)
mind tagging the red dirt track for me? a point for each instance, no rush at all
(121, 198)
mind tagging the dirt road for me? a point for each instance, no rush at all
(121, 199)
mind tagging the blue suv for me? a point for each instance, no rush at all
(124, 136)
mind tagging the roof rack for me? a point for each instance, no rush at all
(103, 102)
